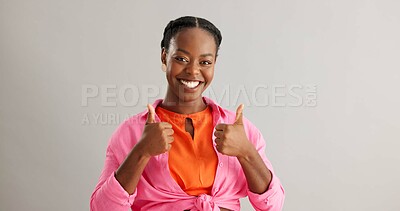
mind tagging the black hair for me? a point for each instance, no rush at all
(185, 22)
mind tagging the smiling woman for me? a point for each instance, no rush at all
(186, 152)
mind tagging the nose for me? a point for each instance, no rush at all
(193, 68)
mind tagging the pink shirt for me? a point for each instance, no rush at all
(157, 190)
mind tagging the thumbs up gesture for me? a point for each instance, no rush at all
(231, 139)
(157, 136)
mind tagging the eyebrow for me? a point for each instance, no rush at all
(202, 55)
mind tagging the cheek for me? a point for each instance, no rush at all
(171, 71)
(209, 74)
(174, 69)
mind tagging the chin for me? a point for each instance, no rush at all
(190, 97)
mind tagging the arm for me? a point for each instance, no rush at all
(257, 174)
(265, 191)
(128, 174)
(273, 198)
(116, 189)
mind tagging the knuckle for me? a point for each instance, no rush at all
(160, 125)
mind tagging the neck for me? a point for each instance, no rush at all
(183, 107)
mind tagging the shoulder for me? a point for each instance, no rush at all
(132, 128)
(127, 134)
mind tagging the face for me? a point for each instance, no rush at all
(190, 62)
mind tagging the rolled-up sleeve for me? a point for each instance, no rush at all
(270, 200)
(109, 194)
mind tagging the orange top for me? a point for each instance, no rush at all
(192, 161)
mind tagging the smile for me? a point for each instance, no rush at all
(190, 84)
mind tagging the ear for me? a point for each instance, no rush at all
(163, 56)
(163, 60)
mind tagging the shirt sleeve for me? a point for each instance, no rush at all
(273, 198)
(109, 194)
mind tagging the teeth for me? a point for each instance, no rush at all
(190, 84)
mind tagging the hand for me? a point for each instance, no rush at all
(157, 136)
(231, 138)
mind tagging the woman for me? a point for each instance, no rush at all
(186, 152)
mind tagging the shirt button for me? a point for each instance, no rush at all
(216, 189)
(221, 164)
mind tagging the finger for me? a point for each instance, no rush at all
(239, 114)
(170, 139)
(217, 141)
(151, 114)
(169, 147)
(220, 127)
(219, 148)
(169, 132)
(218, 133)
(166, 125)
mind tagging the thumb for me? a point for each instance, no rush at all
(150, 114)
(239, 114)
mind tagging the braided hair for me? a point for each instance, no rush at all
(186, 22)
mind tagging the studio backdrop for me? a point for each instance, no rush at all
(320, 79)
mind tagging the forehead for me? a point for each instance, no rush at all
(194, 40)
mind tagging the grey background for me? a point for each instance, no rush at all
(341, 154)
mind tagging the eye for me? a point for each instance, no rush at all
(205, 62)
(181, 59)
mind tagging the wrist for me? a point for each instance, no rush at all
(141, 152)
(248, 152)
